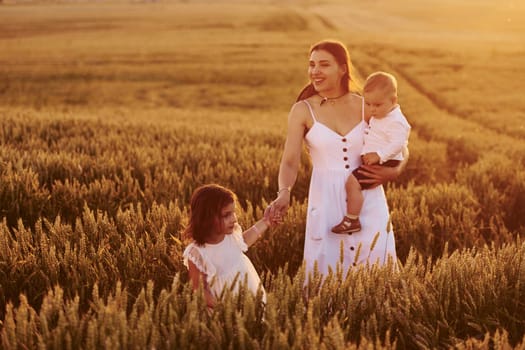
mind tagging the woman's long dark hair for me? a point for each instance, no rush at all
(349, 82)
(206, 205)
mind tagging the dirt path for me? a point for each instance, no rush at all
(455, 24)
(435, 118)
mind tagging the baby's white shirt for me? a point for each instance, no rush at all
(387, 136)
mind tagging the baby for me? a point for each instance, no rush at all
(384, 140)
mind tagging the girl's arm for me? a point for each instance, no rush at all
(197, 278)
(381, 174)
(290, 159)
(255, 232)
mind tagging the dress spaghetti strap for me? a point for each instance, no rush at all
(362, 108)
(362, 105)
(311, 110)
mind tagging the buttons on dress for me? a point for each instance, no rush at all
(345, 158)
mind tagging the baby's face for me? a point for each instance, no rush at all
(378, 104)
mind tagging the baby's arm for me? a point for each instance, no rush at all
(254, 233)
(370, 158)
(377, 174)
(197, 278)
(397, 134)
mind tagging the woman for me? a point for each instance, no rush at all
(329, 117)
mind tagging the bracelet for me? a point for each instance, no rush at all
(257, 231)
(289, 189)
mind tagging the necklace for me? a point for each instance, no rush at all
(332, 100)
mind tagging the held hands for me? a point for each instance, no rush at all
(275, 212)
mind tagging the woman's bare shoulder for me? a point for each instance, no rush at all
(300, 114)
(355, 103)
(356, 99)
(299, 109)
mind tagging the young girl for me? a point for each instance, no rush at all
(216, 255)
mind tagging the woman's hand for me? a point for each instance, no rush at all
(378, 175)
(278, 208)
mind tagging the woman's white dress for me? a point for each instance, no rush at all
(334, 157)
(224, 262)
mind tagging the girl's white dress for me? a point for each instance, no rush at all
(334, 157)
(223, 262)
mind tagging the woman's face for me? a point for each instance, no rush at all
(324, 71)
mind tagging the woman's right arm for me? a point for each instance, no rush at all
(291, 159)
(197, 278)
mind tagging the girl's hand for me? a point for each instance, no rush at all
(278, 208)
(269, 223)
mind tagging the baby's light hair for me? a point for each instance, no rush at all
(383, 81)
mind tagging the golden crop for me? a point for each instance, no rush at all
(111, 114)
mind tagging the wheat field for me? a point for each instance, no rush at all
(113, 112)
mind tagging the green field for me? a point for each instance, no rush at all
(112, 113)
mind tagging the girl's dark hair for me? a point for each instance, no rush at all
(349, 83)
(206, 205)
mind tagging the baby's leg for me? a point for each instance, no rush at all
(354, 202)
(354, 196)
